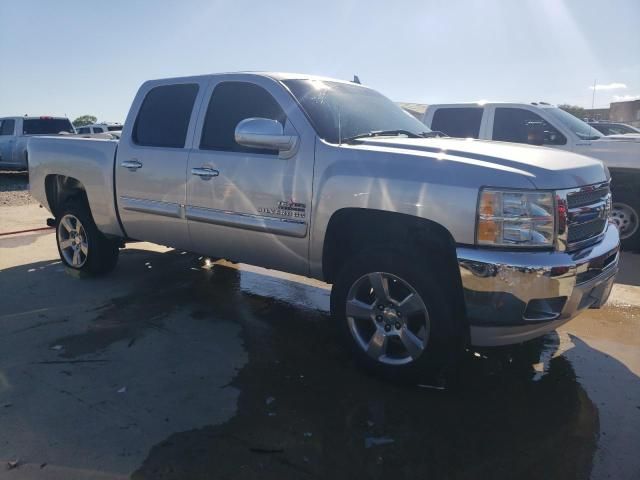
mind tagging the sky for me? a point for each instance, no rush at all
(68, 57)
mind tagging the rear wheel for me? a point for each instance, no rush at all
(394, 315)
(80, 244)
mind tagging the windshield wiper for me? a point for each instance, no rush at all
(381, 133)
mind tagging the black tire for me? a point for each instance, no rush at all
(446, 337)
(626, 202)
(101, 253)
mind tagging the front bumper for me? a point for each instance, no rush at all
(514, 296)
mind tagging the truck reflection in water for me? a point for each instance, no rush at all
(306, 410)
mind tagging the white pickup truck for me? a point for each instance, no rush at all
(430, 243)
(548, 125)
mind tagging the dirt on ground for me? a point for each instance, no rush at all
(14, 189)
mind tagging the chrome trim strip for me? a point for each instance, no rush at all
(152, 207)
(246, 221)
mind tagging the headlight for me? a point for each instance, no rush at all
(512, 218)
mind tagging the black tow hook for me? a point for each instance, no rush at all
(51, 222)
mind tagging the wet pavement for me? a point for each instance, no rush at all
(173, 368)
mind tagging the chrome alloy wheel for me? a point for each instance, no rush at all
(625, 218)
(387, 318)
(72, 240)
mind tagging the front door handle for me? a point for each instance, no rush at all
(205, 173)
(131, 165)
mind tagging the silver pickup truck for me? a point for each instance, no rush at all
(15, 133)
(430, 243)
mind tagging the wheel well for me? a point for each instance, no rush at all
(351, 230)
(60, 189)
(623, 179)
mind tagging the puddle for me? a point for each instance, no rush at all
(305, 410)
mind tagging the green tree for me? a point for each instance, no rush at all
(574, 110)
(84, 120)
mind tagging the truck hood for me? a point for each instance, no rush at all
(627, 137)
(545, 168)
(616, 151)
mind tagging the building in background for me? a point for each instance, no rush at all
(597, 114)
(625, 112)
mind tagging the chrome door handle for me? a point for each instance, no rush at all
(131, 165)
(205, 173)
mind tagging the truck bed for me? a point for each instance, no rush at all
(89, 161)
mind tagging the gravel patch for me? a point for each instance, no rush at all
(14, 189)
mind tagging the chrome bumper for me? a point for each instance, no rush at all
(514, 296)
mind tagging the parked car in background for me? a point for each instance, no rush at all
(430, 243)
(16, 131)
(547, 125)
(612, 128)
(99, 128)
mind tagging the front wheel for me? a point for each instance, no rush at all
(81, 245)
(625, 213)
(394, 314)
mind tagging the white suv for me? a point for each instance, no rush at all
(107, 127)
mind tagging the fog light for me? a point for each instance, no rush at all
(541, 309)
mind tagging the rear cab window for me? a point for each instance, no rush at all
(163, 118)
(46, 126)
(463, 122)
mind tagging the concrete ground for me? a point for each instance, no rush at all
(172, 367)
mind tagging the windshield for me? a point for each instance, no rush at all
(341, 110)
(583, 130)
(46, 126)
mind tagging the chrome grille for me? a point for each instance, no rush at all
(584, 214)
(582, 198)
(585, 231)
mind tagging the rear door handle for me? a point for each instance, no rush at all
(205, 173)
(131, 165)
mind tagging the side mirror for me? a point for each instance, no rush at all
(266, 134)
(535, 133)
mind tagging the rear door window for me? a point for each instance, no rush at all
(463, 122)
(7, 127)
(231, 103)
(83, 130)
(164, 116)
(46, 126)
(513, 125)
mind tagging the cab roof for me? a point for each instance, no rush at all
(482, 103)
(278, 76)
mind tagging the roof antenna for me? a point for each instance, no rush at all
(356, 80)
(593, 102)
